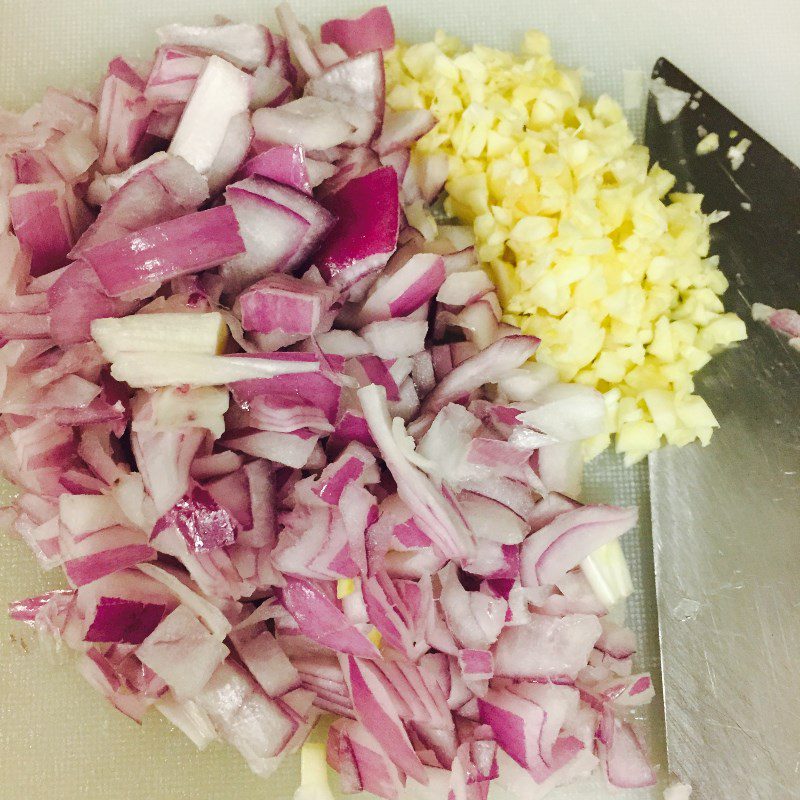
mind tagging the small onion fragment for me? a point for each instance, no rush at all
(373, 30)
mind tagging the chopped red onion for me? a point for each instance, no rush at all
(119, 620)
(282, 163)
(308, 122)
(268, 87)
(402, 128)
(558, 547)
(232, 152)
(285, 306)
(123, 115)
(396, 338)
(488, 366)
(782, 320)
(517, 726)
(373, 30)
(365, 235)
(622, 756)
(476, 664)
(274, 198)
(242, 44)
(40, 218)
(272, 234)
(547, 647)
(182, 652)
(400, 293)
(298, 39)
(75, 300)
(100, 674)
(566, 412)
(376, 713)
(173, 76)
(269, 665)
(181, 246)
(615, 640)
(361, 762)
(31, 610)
(362, 503)
(786, 320)
(320, 619)
(474, 618)
(220, 93)
(85, 569)
(201, 520)
(357, 86)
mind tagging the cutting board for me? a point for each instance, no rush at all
(58, 739)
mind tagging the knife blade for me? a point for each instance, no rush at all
(726, 518)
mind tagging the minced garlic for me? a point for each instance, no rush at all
(589, 249)
(708, 144)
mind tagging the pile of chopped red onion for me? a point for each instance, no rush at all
(263, 412)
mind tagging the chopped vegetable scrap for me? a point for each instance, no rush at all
(265, 412)
(590, 249)
(708, 144)
(781, 320)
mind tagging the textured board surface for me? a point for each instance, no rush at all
(58, 739)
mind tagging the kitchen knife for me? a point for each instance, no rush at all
(726, 518)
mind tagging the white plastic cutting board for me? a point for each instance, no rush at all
(58, 739)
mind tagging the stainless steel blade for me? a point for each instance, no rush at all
(726, 518)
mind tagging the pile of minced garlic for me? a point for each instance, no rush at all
(588, 250)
